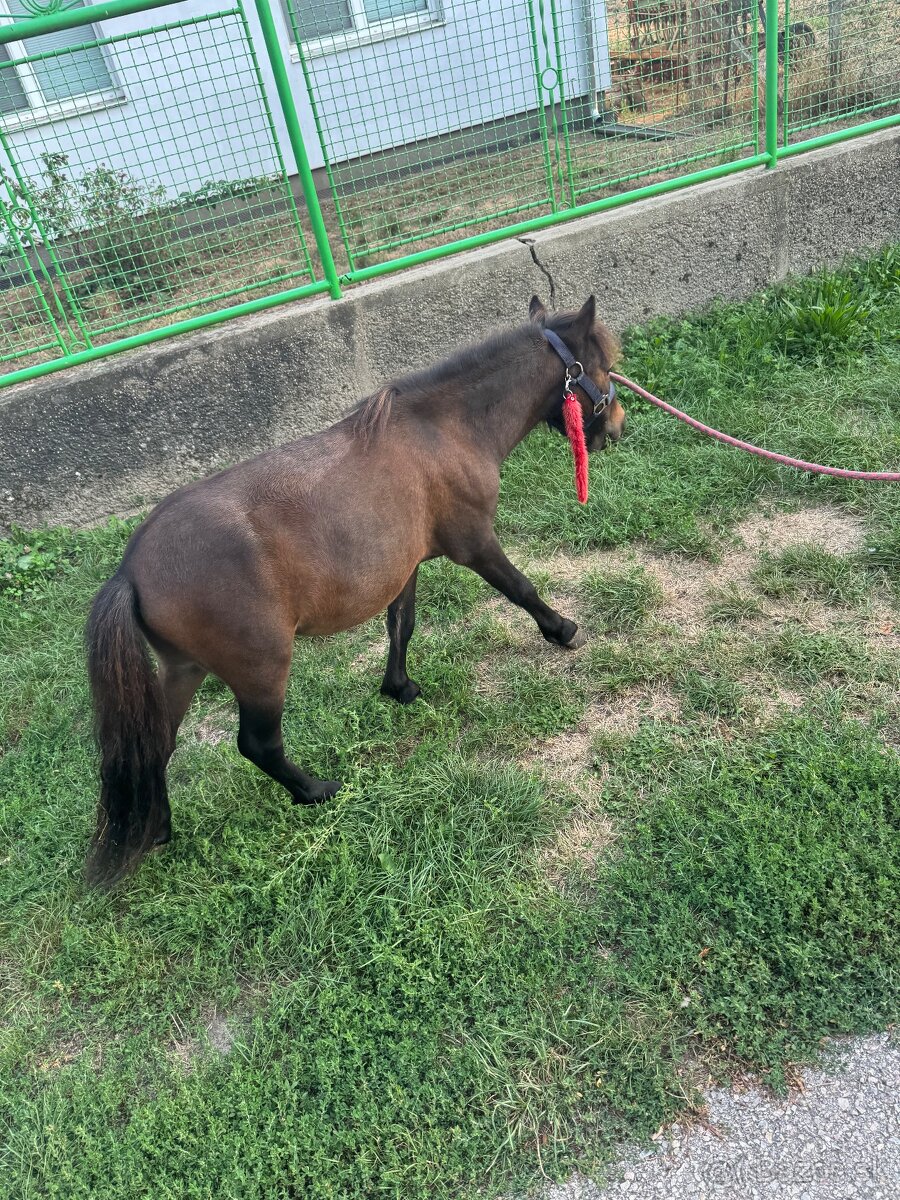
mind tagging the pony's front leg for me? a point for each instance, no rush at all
(489, 561)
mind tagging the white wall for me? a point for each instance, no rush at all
(191, 110)
(475, 66)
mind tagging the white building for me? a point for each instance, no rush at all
(180, 106)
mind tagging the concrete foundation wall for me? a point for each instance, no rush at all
(121, 433)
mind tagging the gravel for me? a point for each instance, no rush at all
(836, 1139)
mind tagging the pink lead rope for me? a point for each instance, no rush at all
(814, 468)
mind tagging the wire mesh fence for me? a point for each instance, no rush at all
(433, 137)
(185, 205)
(516, 106)
(149, 175)
(839, 62)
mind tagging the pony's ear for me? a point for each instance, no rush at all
(536, 311)
(586, 317)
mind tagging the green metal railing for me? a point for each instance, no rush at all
(99, 257)
(155, 177)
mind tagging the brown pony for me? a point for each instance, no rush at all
(312, 538)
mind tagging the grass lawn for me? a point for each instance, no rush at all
(557, 894)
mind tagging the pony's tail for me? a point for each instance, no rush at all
(133, 732)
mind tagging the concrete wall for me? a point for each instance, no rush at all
(119, 434)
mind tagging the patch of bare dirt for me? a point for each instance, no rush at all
(776, 699)
(623, 713)
(687, 584)
(882, 629)
(217, 726)
(568, 755)
(62, 1054)
(218, 1035)
(568, 759)
(834, 529)
(586, 835)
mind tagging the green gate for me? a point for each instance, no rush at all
(554, 104)
(423, 164)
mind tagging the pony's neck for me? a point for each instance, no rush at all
(512, 401)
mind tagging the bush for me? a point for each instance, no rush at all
(124, 226)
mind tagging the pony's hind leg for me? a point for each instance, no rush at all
(259, 739)
(179, 679)
(255, 663)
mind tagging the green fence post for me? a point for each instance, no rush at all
(295, 136)
(47, 242)
(772, 82)
(541, 107)
(786, 74)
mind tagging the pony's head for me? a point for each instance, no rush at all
(594, 349)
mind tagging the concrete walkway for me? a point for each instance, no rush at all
(838, 1139)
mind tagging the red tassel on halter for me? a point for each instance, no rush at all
(574, 426)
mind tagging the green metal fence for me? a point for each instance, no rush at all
(439, 124)
(554, 104)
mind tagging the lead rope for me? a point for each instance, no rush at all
(784, 459)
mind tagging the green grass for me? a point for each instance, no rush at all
(712, 693)
(729, 368)
(617, 665)
(757, 885)
(414, 1008)
(810, 572)
(619, 599)
(730, 605)
(810, 656)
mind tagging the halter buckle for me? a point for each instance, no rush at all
(572, 380)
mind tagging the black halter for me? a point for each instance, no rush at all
(577, 378)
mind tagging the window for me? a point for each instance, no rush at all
(326, 25)
(58, 86)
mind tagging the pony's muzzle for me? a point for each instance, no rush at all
(614, 426)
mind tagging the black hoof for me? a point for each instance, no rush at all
(570, 637)
(163, 837)
(404, 694)
(323, 789)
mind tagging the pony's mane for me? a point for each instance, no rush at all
(373, 413)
